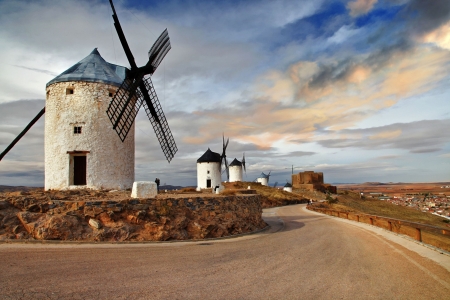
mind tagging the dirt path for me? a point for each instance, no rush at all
(307, 256)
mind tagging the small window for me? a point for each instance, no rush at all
(207, 172)
(110, 94)
(77, 129)
(69, 91)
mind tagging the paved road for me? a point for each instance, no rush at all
(311, 257)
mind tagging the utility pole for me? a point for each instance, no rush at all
(292, 169)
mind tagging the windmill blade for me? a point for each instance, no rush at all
(124, 106)
(224, 149)
(227, 169)
(158, 51)
(243, 162)
(156, 116)
(38, 116)
(275, 185)
(122, 38)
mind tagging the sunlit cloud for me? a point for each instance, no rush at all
(360, 7)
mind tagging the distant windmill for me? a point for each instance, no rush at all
(275, 184)
(287, 187)
(236, 169)
(263, 179)
(209, 167)
(137, 90)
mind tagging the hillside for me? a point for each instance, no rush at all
(350, 202)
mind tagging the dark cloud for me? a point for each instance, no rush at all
(38, 70)
(425, 16)
(416, 137)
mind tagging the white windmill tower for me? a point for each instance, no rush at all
(209, 165)
(263, 179)
(287, 187)
(236, 170)
(80, 147)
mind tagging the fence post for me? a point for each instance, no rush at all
(418, 235)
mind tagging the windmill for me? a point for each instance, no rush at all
(263, 178)
(137, 90)
(236, 169)
(275, 184)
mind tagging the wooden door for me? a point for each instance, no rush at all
(79, 170)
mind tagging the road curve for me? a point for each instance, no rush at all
(306, 256)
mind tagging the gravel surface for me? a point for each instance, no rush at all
(305, 255)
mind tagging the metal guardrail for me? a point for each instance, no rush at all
(390, 223)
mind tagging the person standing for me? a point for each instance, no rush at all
(157, 184)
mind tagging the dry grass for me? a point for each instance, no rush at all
(352, 203)
(270, 196)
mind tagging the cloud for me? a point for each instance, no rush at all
(360, 7)
(415, 137)
(439, 36)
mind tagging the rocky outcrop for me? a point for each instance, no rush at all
(58, 217)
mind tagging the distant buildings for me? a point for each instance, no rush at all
(310, 180)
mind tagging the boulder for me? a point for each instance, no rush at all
(144, 189)
(94, 223)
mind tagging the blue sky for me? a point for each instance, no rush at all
(356, 89)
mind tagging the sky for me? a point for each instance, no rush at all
(358, 90)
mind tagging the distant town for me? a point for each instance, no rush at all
(429, 198)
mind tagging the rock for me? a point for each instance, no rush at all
(141, 214)
(15, 229)
(144, 189)
(4, 204)
(46, 227)
(33, 208)
(94, 223)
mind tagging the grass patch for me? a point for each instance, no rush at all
(352, 203)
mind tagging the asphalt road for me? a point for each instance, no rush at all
(310, 256)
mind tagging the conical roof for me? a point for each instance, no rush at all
(235, 162)
(93, 68)
(288, 185)
(209, 156)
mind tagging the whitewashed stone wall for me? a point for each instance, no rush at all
(235, 173)
(262, 180)
(208, 170)
(110, 163)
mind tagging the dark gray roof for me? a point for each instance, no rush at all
(235, 162)
(209, 156)
(288, 185)
(264, 175)
(93, 68)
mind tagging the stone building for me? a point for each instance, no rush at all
(81, 148)
(310, 180)
(208, 170)
(235, 170)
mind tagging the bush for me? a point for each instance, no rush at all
(330, 199)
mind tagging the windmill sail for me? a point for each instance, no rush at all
(124, 107)
(38, 116)
(137, 90)
(159, 122)
(159, 50)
